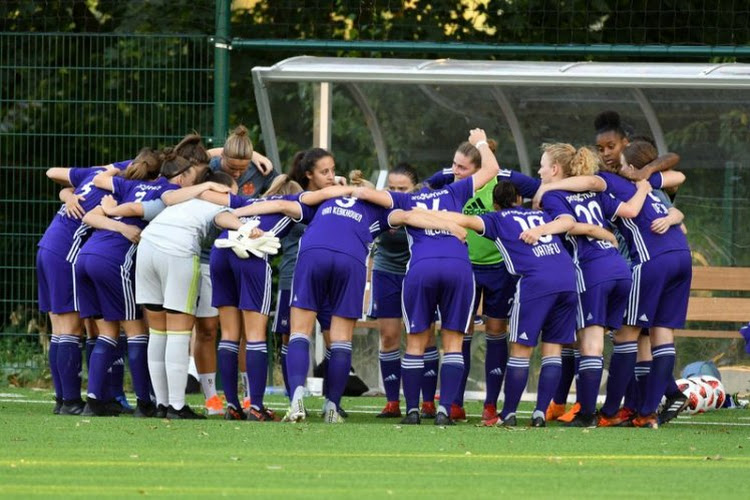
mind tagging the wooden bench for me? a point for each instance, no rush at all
(705, 306)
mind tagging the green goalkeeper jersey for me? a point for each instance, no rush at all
(482, 251)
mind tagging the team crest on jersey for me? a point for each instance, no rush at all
(248, 189)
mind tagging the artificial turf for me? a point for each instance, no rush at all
(46, 455)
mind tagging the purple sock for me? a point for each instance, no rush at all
(338, 370)
(90, 343)
(138, 363)
(52, 357)
(577, 356)
(494, 366)
(324, 370)
(117, 375)
(256, 363)
(590, 378)
(451, 373)
(102, 358)
(671, 387)
(228, 368)
(412, 371)
(390, 367)
(566, 376)
(297, 361)
(640, 375)
(621, 367)
(466, 355)
(69, 367)
(430, 374)
(661, 371)
(549, 377)
(631, 394)
(516, 376)
(284, 373)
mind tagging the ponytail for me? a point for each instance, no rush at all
(145, 166)
(581, 161)
(283, 185)
(173, 164)
(191, 148)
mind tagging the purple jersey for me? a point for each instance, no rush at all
(112, 243)
(345, 225)
(280, 224)
(65, 235)
(643, 243)
(430, 243)
(599, 260)
(526, 186)
(544, 267)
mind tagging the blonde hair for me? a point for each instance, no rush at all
(238, 145)
(145, 166)
(581, 161)
(283, 185)
(357, 179)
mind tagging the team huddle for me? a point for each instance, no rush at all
(173, 244)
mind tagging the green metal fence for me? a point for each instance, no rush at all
(81, 100)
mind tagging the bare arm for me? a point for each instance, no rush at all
(490, 168)
(218, 193)
(374, 196)
(664, 162)
(468, 221)
(633, 206)
(73, 208)
(557, 226)
(111, 209)
(103, 180)
(227, 220)
(288, 208)
(673, 218)
(672, 179)
(593, 231)
(265, 166)
(426, 219)
(98, 220)
(321, 195)
(576, 184)
(60, 175)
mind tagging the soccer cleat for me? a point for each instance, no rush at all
(269, 414)
(583, 420)
(74, 407)
(569, 415)
(214, 405)
(58, 405)
(332, 415)
(255, 415)
(509, 421)
(144, 409)
(554, 411)
(233, 413)
(673, 406)
(391, 410)
(619, 419)
(184, 413)
(489, 415)
(296, 412)
(428, 409)
(246, 403)
(411, 418)
(342, 412)
(458, 414)
(124, 405)
(161, 411)
(648, 421)
(97, 408)
(443, 419)
(538, 421)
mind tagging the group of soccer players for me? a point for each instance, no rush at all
(550, 275)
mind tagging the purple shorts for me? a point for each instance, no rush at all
(604, 304)
(385, 295)
(281, 320)
(660, 291)
(552, 316)
(55, 283)
(106, 288)
(323, 277)
(495, 286)
(240, 283)
(451, 290)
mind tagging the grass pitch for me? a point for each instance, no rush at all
(46, 455)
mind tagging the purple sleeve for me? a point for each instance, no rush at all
(490, 226)
(120, 187)
(555, 205)
(440, 179)
(527, 186)
(656, 180)
(308, 212)
(122, 164)
(609, 203)
(236, 201)
(77, 175)
(382, 218)
(401, 200)
(168, 186)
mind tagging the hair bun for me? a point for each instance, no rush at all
(607, 120)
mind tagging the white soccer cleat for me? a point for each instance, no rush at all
(296, 413)
(331, 414)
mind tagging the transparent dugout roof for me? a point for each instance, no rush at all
(374, 113)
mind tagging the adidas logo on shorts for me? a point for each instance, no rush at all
(523, 336)
(643, 318)
(589, 317)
